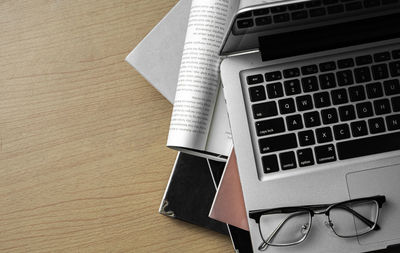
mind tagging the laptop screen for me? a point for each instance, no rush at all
(293, 28)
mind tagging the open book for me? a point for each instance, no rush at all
(199, 121)
(158, 57)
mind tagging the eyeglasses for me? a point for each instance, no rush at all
(289, 226)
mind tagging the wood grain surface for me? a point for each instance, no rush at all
(83, 162)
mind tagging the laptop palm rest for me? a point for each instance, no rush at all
(379, 181)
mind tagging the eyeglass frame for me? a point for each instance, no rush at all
(311, 209)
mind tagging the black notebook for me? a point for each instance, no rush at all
(190, 193)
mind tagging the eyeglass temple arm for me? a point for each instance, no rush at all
(362, 218)
(264, 245)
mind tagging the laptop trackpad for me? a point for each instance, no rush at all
(379, 181)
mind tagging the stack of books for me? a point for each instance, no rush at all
(204, 187)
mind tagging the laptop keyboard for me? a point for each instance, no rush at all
(309, 11)
(333, 110)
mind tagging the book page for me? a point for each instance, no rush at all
(219, 136)
(199, 81)
(158, 56)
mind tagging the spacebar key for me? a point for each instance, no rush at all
(368, 146)
(278, 143)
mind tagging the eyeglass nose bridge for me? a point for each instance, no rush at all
(320, 212)
(328, 223)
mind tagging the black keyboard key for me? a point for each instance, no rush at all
(277, 143)
(296, 6)
(306, 138)
(288, 160)
(255, 79)
(329, 116)
(376, 125)
(322, 99)
(357, 93)
(305, 157)
(310, 69)
(382, 106)
(371, 3)
(383, 56)
(388, 2)
(394, 68)
(393, 122)
(368, 146)
(257, 93)
(354, 6)
(261, 12)
(346, 63)
(363, 60)
(324, 134)
(327, 81)
(289, 73)
(245, 23)
(339, 97)
(396, 104)
(347, 113)
(280, 18)
(287, 106)
(392, 87)
(396, 54)
(278, 9)
(313, 3)
(359, 128)
(327, 66)
(297, 15)
(273, 76)
(274, 90)
(270, 164)
(317, 12)
(380, 71)
(341, 132)
(362, 75)
(345, 77)
(244, 14)
(292, 87)
(265, 110)
(304, 103)
(364, 110)
(271, 126)
(374, 90)
(329, 2)
(325, 154)
(294, 122)
(309, 84)
(335, 9)
(312, 119)
(267, 20)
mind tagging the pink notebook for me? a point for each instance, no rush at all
(228, 205)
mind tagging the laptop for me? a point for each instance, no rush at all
(313, 96)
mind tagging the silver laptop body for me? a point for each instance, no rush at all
(316, 126)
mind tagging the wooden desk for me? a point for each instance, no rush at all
(83, 162)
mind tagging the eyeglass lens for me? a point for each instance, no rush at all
(354, 219)
(285, 228)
